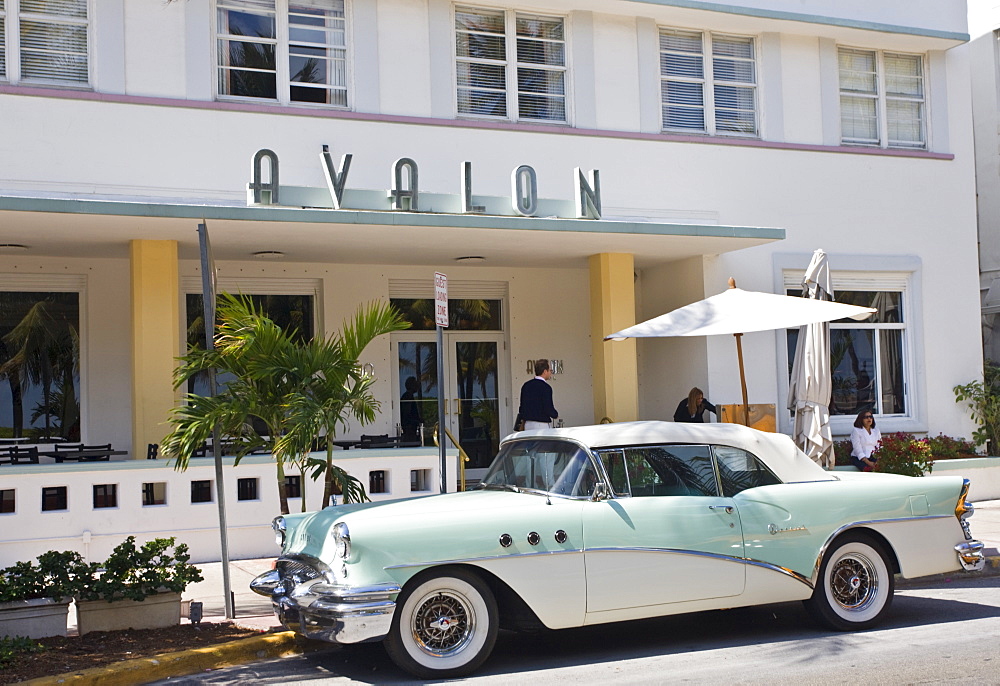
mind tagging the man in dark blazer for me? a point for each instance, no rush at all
(536, 407)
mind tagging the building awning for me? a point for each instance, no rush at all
(63, 227)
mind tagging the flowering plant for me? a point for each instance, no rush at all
(901, 453)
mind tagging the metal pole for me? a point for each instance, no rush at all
(208, 310)
(441, 409)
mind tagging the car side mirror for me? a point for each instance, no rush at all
(600, 492)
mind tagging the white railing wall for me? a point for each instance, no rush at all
(94, 532)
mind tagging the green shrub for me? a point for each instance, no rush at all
(945, 447)
(12, 646)
(135, 573)
(842, 452)
(901, 453)
(983, 399)
(56, 575)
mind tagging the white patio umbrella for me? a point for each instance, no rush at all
(811, 382)
(736, 312)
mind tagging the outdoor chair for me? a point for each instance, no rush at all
(20, 455)
(152, 450)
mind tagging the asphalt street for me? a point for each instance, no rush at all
(942, 631)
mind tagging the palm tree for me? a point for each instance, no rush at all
(273, 377)
(334, 389)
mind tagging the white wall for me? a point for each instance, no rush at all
(95, 532)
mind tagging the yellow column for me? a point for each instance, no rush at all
(612, 308)
(155, 339)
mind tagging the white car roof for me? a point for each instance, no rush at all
(777, 451)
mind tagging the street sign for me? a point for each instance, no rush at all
(440, 299)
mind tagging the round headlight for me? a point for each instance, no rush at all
(278, 524)
(341, 540)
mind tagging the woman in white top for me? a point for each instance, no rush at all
(864, 440)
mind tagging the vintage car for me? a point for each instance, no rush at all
(587, 525)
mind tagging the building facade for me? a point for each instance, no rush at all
(573, 167)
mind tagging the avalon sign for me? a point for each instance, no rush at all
(405, 195)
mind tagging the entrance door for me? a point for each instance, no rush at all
(476, 399)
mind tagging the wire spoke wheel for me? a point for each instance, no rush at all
(445, 624)
(855, 584)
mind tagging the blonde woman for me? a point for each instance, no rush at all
(692, 408)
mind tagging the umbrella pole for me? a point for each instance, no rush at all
(743, 378)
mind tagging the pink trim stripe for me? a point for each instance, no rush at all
(457, 123)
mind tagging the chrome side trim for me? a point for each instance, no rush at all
(716, 556)
(484, 558)
(893, 520)
(615, 549)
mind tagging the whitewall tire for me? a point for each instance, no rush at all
(445, 625)
(855, 586)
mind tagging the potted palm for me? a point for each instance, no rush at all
(303, 391)
(137, 587)
(35, 598)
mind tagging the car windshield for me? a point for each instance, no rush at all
(557, 467)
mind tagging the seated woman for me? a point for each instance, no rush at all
(692, 408)
(864, 440)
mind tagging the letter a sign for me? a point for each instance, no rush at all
(440, 299)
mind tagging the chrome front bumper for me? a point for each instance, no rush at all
(970, 555)
(330, 612)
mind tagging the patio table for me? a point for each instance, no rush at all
(82, 455)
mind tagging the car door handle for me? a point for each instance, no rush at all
(727, 508)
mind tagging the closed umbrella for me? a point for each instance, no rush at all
(811, 382)
(735, 311)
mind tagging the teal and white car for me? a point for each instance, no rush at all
(595, 524)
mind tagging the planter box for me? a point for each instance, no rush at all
(157, 611)
(36, 618)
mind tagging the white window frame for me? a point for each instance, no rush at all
(709, 82)
(511, 64)
(281, 43)
(904, 277)
(882, 97)
(11, 46)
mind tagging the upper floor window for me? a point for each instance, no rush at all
(510, 63)
(708, 83)
(291, 51)
(44, 41)
(881, 99)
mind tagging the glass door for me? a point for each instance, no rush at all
(475, 396)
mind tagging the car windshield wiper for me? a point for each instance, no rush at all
(497, 487)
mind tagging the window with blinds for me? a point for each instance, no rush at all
(45, 41)
(508, 62)
(881, 99)
(290, 51)
(708, 83)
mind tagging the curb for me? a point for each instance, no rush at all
(184, 662)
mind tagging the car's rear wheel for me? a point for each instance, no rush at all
(855, 586)
(445, 625)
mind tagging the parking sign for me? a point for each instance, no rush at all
(440, 299)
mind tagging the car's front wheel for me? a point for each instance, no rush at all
(855, 585)
(445, 625)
